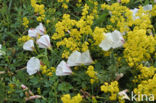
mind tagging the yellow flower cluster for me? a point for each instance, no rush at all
(64, 5)
(147, 87)
(138, 47)
(25, 22)
(153, 12)
(125, 1)
(146, 72)
(38, 9)
(24, 38)
(65, 54)
(75, 34)
(92, 74)
(98, 35)
(112, 88)
(143, 21)
(121, 17)
(46, 71)
(67, 98)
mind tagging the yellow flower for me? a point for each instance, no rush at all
(138, 47)
(92, 74)
(38, 9)
(25, 22)
(112, 88)
(65, 6)
(125, 1)
(67, 99)
(24, 38)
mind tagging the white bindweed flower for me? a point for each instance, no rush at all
(77, 59)
(29, 45)
(123, 94)
(118, 39)
(107, 43)
(32, 32)
(33, 65)
(39, 30)
(63, 69)
(44, 41)
(112, 40)
(74, 59)
(147, 7)
(86, 58)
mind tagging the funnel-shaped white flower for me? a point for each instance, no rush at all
(63, 69)
(32, 32)
(86, 58)
(77, 59)
(39, 30)
(74, 59)
(107, 43)
(112, 40)
(44, 41)
(33, 65)
(118, 39)
(29, 45)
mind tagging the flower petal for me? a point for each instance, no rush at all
(29, 45)
(40, 29)
(118, 40)
(44, 41)
(63, 69)
(32, 32)
(86, 58)
(74, 59)
(107, 43)
(33, 65)
(77, 58)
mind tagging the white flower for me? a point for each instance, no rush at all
(39, 30)
(33, 65)
(32, 32)
(44, 41)
(118, 40)
(107, 43)
(63, 69)
(112, 40)
(123, 94)
(29, 45)
(147, 7)
(77, 58)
